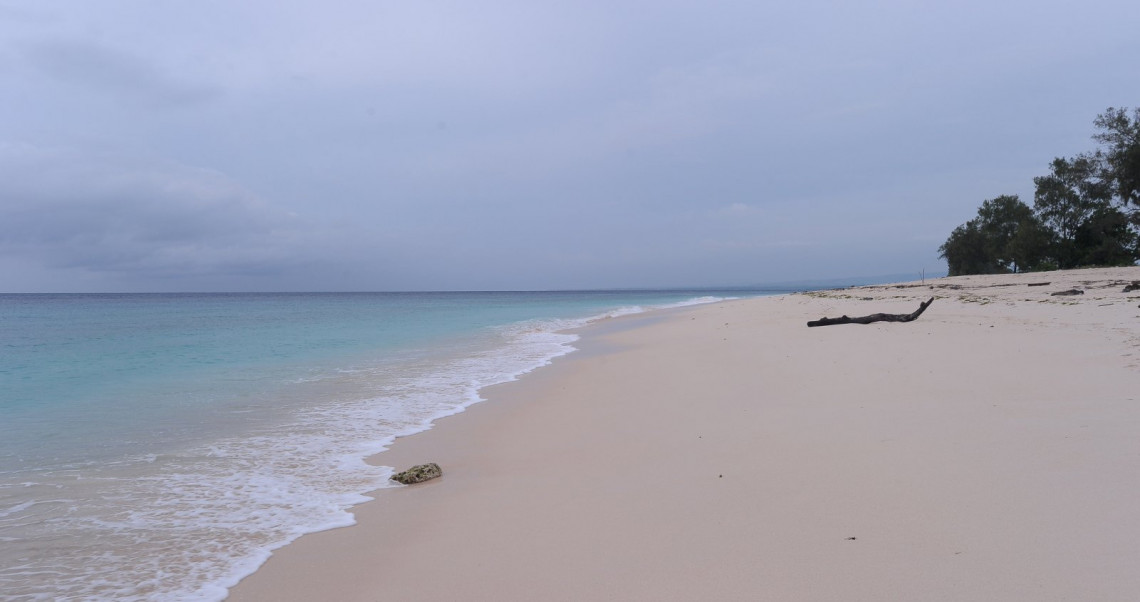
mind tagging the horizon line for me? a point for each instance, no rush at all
(775, 287)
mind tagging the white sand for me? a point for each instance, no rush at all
(989, 450)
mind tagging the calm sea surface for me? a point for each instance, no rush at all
(158, 447)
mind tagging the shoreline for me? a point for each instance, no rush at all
(448, 434)
(171, 446)
(727, 451)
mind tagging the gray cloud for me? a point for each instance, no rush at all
(103, 214)
(99, 68)
(364, 145)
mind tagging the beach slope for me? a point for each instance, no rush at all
(989, 450)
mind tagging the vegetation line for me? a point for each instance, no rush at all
(1085, 212)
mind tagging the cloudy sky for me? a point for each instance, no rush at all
(441, 144)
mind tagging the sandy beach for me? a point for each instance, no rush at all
(989, 450)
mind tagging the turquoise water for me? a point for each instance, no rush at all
(160, 446)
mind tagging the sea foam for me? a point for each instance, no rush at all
(189, 523)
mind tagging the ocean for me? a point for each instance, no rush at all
(160, 446)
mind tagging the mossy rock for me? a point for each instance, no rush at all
(418, 474)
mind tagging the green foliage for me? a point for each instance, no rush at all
(1106, 238)
(1013, 235)
(1005, 237)
(1066, 199)
(1120, 154)
(1085, 212)
(965, 251)
(1029, 248)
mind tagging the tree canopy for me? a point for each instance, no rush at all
(1085, 212)
(1119, 155)
(1006, 236)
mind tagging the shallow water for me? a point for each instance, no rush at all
(160, 446)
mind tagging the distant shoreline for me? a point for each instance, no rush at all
(774, 287)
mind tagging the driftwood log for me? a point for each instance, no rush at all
(874, 317)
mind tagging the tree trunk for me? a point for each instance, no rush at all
(874, 317)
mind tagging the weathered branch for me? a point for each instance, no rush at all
(874, 317)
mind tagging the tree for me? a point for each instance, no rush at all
(1086, 211)
(965, 251)
(1120, 155)
(1106, 238)
(1066, 199)
(1003, 221)
(1030, 247)
(1004, 237)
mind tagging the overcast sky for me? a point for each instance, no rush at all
(374, 145)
